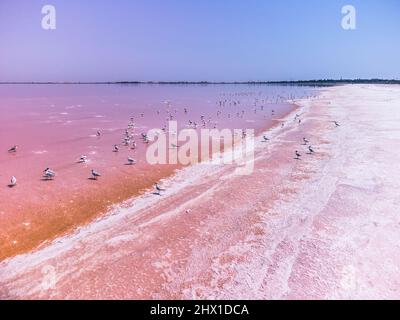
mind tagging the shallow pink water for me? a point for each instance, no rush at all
(53, 125)
(323, 227)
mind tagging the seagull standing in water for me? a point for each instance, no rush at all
(298, 155)
(13, 182)
(95, 174)
(13, 149)
(145, 138)
(83, 159)
(48, 174)
(310, 149)
(116, 148)
(131, 160)
(336, 123)
(306, 141)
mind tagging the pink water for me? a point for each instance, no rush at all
(53, 125)
(323, 227)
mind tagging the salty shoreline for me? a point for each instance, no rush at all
(312, 228)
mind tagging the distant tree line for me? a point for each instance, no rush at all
(320, 82)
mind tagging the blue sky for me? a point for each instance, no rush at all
(231, 40)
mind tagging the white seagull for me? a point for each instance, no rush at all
(48, 174)
(13, 182)
(95, 174)
(158, 188)
(131, 160)
(82, 159)
(13, 149)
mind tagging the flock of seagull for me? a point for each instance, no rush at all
(306, 142)
(49, 174)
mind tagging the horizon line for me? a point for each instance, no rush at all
(314, 81)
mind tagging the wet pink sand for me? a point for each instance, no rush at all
(324, 227)
(54, 125)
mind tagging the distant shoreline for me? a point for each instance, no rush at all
(322, 82)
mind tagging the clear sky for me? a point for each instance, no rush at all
(215, 40)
